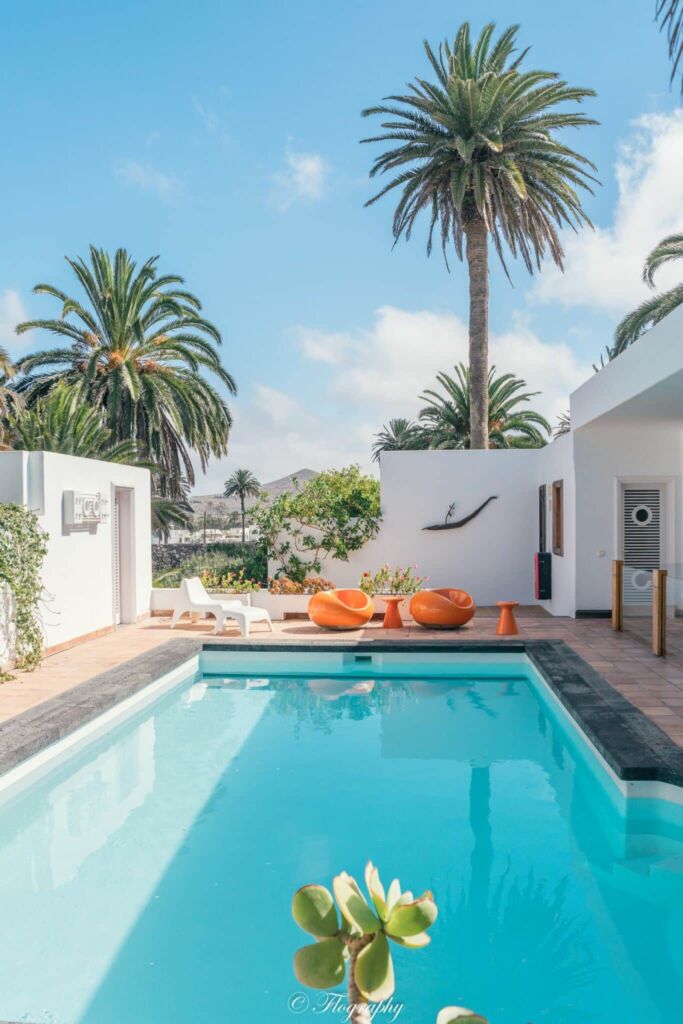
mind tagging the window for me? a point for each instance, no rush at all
(542, 540)
(558, 518)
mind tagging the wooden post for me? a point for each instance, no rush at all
(659, 612)
(617, 594)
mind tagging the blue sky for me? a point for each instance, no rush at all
(224, 137)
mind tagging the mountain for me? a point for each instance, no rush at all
(216, 504)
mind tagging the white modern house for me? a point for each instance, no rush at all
(611, 488)
(97, 573)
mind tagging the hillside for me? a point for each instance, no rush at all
(216, 504)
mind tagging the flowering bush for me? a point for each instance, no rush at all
(391, 581)
(310, 585)
(229, 582)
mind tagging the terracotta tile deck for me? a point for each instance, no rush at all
(655, 685)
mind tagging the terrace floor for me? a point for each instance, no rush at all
(655, 685)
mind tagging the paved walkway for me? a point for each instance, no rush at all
(655, 685)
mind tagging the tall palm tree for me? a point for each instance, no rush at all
(61, 422)
(399, 435)
(652, 310)
(478, 151)
(169, 514)
(669, 14)
(9, 399)
(242, 485)
(138, 348)
(446, 416)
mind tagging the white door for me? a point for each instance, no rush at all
(642, 526)
(116, 540)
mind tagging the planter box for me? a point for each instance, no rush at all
(280, 606)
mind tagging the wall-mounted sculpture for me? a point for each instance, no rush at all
(448, 525)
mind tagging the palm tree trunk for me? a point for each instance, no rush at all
(244, 514)
(477, 262)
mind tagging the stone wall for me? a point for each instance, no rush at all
(170, 556)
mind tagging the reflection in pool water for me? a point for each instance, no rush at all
(149, 878)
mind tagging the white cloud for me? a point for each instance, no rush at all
(384, 369)
(603, 267)
(148, 178)
(367, 376)
(303, 179)
(12, 312)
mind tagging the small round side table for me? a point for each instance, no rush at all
(507, 624)
(392, 616)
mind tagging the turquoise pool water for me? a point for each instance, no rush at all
(147, 879)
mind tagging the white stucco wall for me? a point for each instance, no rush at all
(491, 557)
(607, 455)
(78, 568)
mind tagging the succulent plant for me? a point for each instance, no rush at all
(357, 931)
(459, 1015)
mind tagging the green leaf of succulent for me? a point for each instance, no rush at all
(353, 905)
(453, 1014)
(412, 941)
(374, 970)
(320, 965)
(375, 888)
(409, 919)
(313, 910)
(393, 895)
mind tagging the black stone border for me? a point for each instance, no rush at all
(633, 746)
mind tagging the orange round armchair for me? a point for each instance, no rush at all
(340, 609)
(442, 609)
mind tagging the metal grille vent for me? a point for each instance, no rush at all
(642, 539)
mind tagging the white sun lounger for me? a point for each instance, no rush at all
(194, 598)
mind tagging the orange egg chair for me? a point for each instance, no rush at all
(340, 609)
(442, 609)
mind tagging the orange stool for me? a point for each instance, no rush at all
(392, 616)
(507, 624)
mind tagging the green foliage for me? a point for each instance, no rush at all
(399, 435)
(669, 14)
(62, 421)
(391, 581)
(9, 399)
(23, 545)
(329, 516)
(358, 930)
(446, 416)
(654, 309)
(481, 142)
(138, 348)
(218, 559)
(229, 582)
(170, 514)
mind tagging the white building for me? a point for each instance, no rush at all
(97, 572)
(611, 488)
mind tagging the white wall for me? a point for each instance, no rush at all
(607, 454)
(78, 569)
(491, 557)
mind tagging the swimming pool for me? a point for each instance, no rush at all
(146, 874)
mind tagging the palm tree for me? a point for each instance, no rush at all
(446, 417)
(660, 305)
(61, 421)
(669, 14)
(169, 514)
(477, 150)
(563, 425)
(399, 435)
(242, 484)
(137, 349)
(9, 399)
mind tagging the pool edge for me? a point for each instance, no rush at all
(633, 746)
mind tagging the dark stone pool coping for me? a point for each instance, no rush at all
(633, 746)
